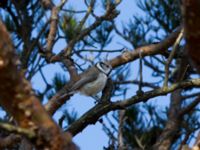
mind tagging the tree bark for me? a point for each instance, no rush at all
(17, 98)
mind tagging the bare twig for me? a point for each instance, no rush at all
(190, 95)
(139, 142)
(189, 107)
(175, 46)
(197, 143)
(90, 9)
(144, 84)
(184, 141)
(140, 92)
(53, 29)
(69, 63)
(120, 130)
(100, 50)
(172, 127)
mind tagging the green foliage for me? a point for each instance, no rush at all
(58, 82)
(159, 16)
(68, 24)
(9, 23)
(165, 12)
(137, 29)
(121, 74)
(142, 129)
(102, 34)
(69, 117)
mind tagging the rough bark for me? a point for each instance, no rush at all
(17, 98)
(191, 21)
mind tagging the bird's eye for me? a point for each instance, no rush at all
(105, 66)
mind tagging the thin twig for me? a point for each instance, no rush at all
(120, 130)
(99, 50)
(175, 46)
(146, 84)
(53, 28)
(139, 92)
(139, 142)
(74, 11)
(90, 9)
(183, 74)
(189, 107)
(196, 145)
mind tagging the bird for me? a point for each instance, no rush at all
(93, 80)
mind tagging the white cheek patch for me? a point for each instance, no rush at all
(104, 68)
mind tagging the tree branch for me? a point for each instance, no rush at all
(148, 50)
(91, 116)
(190, 106)
(17, 98)
(191, 21)
(53, 29)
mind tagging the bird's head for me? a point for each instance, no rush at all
(104, 67)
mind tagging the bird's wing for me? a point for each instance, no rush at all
(83, 81)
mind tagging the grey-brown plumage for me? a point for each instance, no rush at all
(93, 80)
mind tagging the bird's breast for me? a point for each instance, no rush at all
(96, 86)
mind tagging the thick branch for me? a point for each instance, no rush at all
(100, 109)
(191, 21)
(148, 50)
(170, 131)
(167, 136)
(17, 98)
